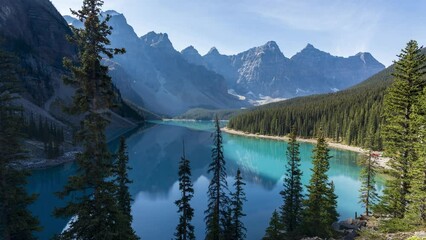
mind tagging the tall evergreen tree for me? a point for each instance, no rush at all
(399, 131)
(291, 211)
(417, 197)
(368, 193)
(275, 228)
(320, 206)
(94, 205)
(16, 221)
(237, 201)
(227, 223)
(123, 196)
(185, 230)
(218, 200)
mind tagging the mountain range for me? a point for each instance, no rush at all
(169, 82)
(155, 76)
(265, 71)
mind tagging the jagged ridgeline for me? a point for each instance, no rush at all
(347, 116)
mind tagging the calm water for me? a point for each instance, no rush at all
(154, 154)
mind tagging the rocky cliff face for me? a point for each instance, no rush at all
(265, 71)
(35, 32)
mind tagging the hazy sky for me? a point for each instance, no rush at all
(342, 28)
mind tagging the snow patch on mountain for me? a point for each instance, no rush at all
(265, 100)
(233, 93)
(301, 91)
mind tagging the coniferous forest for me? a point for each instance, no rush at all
(386, 113)
(349, 116)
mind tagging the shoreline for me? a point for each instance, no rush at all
(44, 163)
(381, 161)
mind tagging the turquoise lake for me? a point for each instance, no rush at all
(154, 153)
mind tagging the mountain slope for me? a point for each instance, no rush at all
(265, 71)
(345, 116)
(34, 32)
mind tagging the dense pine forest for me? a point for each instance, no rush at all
(347, 116)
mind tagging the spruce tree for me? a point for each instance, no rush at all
(417, 197)
(275, 228)
(218, 200)
(123, 196)
(320, 206)
(16, 221)
(185, 230)
(416, 211)
(227, 223)
(330, 214)
(237, 201)
(368, 193)
(93, 207)
(399, 131)
(291, 210)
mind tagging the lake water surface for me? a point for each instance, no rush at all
(154, 153)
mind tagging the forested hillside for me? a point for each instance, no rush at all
(347, 116)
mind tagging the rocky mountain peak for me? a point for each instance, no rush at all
(192, 56)
(112, 13)
(213, 51)
(310, 52)
(271, 48)
(271, 45)
(158, 40)
(190, 51)
(368, 59)
(309, 46)
(311, 49)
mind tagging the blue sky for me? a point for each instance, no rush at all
(340, 27)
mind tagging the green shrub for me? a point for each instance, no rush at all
(416, 238)
(370, 234)
(395, 225)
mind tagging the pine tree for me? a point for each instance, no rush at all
(417, 197)
(185, 230)
(16, 221)
(416, 211)
(291, 211)
(320, 206)
(227, 223)
(218, 200)
(368, 193)
(331, 215)
(94, 205)
(237, 201)
(399, 131)
(123, 196)
(274, 230)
